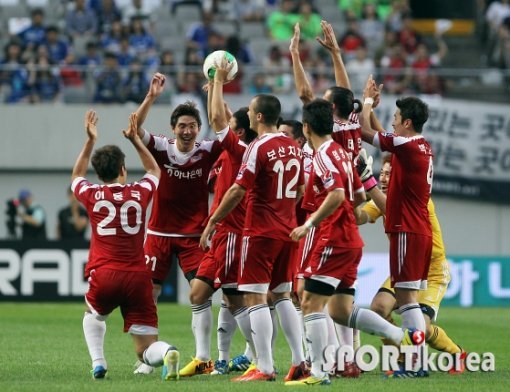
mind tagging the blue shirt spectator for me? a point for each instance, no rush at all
(81, 20)
(58, 49)
(35, 34)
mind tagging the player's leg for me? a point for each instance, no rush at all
(157, 353)
(158, 256)
(257, 257)
(315, 297)
(202, 288)
(226, 327)
(409, 266)
(384, 303)
(100, 299)
(281, 286)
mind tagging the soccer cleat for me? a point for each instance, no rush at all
(220, 367)
(257, 375)
(297, 372)
(351, 370)
(402, 373)
(461, 366)
(98, 373)
(196, 366)
(413, 337)
(170, 369)
(248, 371)
(142, 368)
(311, 380)
(239, 364)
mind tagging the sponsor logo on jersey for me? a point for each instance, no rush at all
(183, 174)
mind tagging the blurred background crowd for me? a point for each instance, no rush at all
(104, 51)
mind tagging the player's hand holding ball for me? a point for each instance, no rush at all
(220, 59)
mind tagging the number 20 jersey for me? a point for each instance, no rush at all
(117, 219)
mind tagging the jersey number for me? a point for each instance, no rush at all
(102, 228)
(347, 166)
(280, 169)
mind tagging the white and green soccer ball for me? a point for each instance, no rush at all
(214, 59)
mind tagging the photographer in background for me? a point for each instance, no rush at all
(72, 220)
(32, 216)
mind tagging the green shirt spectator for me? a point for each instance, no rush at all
(309, 21)
(281, 23)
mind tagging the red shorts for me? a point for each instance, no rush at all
(220, 265)
(305, 251)
(334, 265)
(266, 264)
(159, 250)
(409, 260)
(132, 291)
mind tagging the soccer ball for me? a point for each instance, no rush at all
(214, 59)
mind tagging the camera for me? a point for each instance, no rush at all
(11, 212)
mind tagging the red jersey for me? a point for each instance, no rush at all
(117, 218)
(333, 169)
(308, 201)
(348, 135)
(272, 171)
(410, 183)
(181, 203)
(229, 164)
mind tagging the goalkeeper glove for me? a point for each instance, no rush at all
(364, 167)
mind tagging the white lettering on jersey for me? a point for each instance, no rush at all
(183, 174)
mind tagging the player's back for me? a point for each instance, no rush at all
(272, 170)
(348, 135)
(117, 218)
(334, 170)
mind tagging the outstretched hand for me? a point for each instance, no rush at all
(329, 41)
(91, 120)
(157, 85)
(371, 90)
(294, 41)
(364, 164)
(222, 70)
(131, 132)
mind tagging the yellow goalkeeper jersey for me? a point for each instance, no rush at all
(438, 250)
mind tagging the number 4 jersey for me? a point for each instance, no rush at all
(117, 218)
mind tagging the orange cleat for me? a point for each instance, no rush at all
(297, 372)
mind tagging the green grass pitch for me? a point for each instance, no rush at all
(43, 349)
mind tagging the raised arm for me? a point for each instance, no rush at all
(82, 162)
(155, 89)
(367, 133)
(303, 87)
(331, 44)
(148, 161)
(219, 119)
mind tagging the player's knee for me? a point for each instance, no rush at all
(379, 308)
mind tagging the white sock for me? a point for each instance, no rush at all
(316, 330)
(274, 319)
(370, 322)
(303, 333)
(261, 330)
(155, 353)
(356, 339)
(226, 327)
(94, 331)
(332, 336)
(289, 320)
(412, 316)
(345, 335)
(201, 324)
(242, 317)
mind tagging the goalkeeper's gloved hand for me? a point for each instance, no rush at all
(364, 168)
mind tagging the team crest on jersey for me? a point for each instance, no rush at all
(196, 158)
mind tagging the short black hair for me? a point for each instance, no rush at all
(243, 121)
(318, 114)
(269, 106)
(344, 101)
(107, 162)
(297, 128)
(414, 109)
(188, 108)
